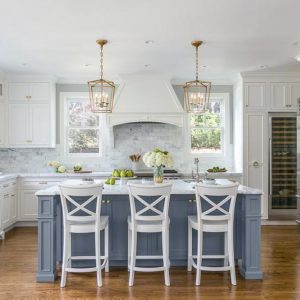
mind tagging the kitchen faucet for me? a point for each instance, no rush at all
(197, 175)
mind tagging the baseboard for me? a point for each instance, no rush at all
(278, 222)
(26, 224)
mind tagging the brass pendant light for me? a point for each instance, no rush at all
(101, 91)
(196, 93)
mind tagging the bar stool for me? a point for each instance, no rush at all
(148, 218)
(81, 207)
(215, 213)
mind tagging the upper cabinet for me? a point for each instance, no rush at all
(295, 95)
(33, 91)
(280, 96)
(30, 114)
(255, 95)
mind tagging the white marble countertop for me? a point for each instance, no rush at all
(5, 176)
(179, 187)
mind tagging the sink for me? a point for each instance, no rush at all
(189, 180)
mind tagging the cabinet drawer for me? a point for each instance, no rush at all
(38, 184)
(8, 184)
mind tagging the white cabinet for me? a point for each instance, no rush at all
(32, 91)
(255, 95)
(2, 124)
(280, 98)
(31, 114)
(39, 125)
(18, 124)
(29, 124)
(28, 202)
(8, 191)
(295, 95)
(256, 154)
(28, 205)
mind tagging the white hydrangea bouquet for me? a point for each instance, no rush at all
(158, 159)
(58, 167)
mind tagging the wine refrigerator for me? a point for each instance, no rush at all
(283, 166)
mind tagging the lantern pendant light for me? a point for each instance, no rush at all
(101, 91)
(196, 93)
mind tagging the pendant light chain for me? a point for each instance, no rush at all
(101, 62)
(197, 62)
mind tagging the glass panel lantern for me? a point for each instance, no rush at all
(196, 96)
(101, 95)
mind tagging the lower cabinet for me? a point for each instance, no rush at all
(28, 205)
(8, 191)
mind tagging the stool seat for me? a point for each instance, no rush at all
(209, 225)
(87, 227)
(147, 226)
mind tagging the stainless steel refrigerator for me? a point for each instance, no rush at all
(283, 154)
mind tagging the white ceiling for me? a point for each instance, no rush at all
(57, 37)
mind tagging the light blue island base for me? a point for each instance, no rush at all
(247, 235)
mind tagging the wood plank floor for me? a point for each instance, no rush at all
(280, 261)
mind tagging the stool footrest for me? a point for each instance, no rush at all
(149, 269)
(149, 257)
(81, 270)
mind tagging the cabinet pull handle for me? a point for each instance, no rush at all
(190, 200)
(13, 195)
(6, 195)
(107, 201)
(43, 182)
(103, 201)
(6, 185)
(255, 164)
(29, 141)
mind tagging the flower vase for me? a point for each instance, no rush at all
(158, 174)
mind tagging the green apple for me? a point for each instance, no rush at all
(77, 167)
(129, 173)
(107, 181)
(112, 181)
(116, 173)
(123, 173)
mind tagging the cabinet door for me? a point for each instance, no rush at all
(255, 95)
(280, 96)
(2, 124)
(256, 154)
(39, 91)
(13, 207)
(18, 91)
(28, 205)
(295, 95)
(5, 210)
(40, 132)
(18, 124)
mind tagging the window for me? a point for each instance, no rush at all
(208, 130)
(81, 127)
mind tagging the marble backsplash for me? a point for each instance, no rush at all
(128, 139)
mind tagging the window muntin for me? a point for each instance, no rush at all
(207, 130)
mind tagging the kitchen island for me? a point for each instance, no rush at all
(115, 204)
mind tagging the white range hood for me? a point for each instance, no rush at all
(146, 98)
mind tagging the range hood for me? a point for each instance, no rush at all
(146, 98)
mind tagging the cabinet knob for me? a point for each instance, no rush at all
(255, 164)
(190, 200)
(103, 201)
(108, 201)
(29, 141)
(246, 105)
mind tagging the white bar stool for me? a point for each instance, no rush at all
(213, 216)
(81, 218)
(148, 219)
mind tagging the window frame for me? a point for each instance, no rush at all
(225, 128)
(64, 127)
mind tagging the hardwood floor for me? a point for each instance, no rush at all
(280, 261)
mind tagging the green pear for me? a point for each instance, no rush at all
(123, 173)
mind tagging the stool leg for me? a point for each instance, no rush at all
(133, 256)
(129, 247)
(98, 258)
(165, 257)
(65, 259)
(106, 247)
(225, 249)
(199, 256)
(231, 256)
(190, 247)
